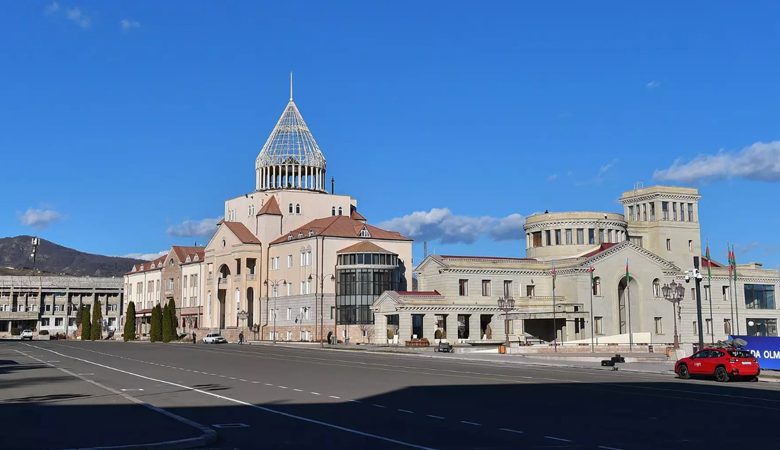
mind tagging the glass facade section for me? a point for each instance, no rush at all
(761, 327)
(760, 296)
(360, 279)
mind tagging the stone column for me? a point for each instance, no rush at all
(380, 329)
(475, 333)
(404, 327)
(452, 327)
(429, 326)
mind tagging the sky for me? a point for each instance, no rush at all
(125, 125)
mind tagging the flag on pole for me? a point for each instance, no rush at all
(731, 262)
(734, 263)
(709, 263)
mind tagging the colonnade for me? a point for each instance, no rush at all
(290, 176)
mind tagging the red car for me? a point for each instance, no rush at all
(722, 363)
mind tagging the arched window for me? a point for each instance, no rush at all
(656, 288)
(297, 208)
(339, 210)
(597, 286)
(333, 211)
(290, 208)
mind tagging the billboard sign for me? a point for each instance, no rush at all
(766, 350)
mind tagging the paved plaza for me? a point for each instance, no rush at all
(99, 394)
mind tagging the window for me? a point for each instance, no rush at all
(659, 325)
(656, 288)
(707, 293)
(463, 288)
(674, 210)
(536, 237)
(58, 321)
(275, 263)
(708, 324)
(290, 208)
(665, 210)
(762, 327)
(530, 290)
(690, 212)
(727, 326)
(547, 237)
(557, 237)
(486, 288)
(591, 236)
(289, 261)
(45, 322)
(340, 211)
(644, 212)
(690, 245)
(303, 287)
(568, 236)
(297, 208)
(669, 244)
(759, 296)
(289, 313)
(364, 233)
(682, 212)
(289, 289)
(652, 211)
(580, 236)
(507, 288)
(631, 212)
(596, 286)
(333, 211)
(598, 327)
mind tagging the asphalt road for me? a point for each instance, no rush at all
(232, 396)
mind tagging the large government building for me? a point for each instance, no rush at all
(584, 271)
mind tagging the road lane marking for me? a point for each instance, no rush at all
(356, 401)
(334, 396)
(434, 417)
(604, 447)
(379, 406)
(230, 425)
(511, 430)
(557, 439)
(405, 411)
(282, 387)
(471, 423)
(297, 390)
(315, 393)
(248, 404)
(268, 384)
(131, 389)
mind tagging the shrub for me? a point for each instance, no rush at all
(156, 332)
(97, 322)
(166, 324)
(129, 331)
(438, 334)
(86, 325)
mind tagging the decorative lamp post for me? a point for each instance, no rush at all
(674, 293)
(506, 305)
(321, 279)
(273, 284)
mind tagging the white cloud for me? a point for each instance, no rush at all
(606, 167)
(653, 84)
(52, 8)
(191, 228)
(599, 178)
(760, 161)
(146, 256)
(552, 177)
(442, 225)
(79, 18)
(129, 24)
(39, 218)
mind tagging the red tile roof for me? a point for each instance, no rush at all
(151, 265)
(340, 226)
(271, 207)
(354, 214)
(364, 247)
(485, 257)
(183, 252)
(242, 232)
(600, 249)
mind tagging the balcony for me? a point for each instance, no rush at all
(18, 315)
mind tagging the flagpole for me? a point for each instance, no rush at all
(731, 295)
(592, 337)
(709, 293)
(736, 288)
(555, 324)
(628, 298)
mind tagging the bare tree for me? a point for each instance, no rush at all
(367, 330)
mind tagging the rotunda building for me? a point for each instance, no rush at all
(569, 234)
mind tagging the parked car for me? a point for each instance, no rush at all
(723, 364)
(26, 334)
(214, 338)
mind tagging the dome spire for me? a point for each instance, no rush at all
(291, 86)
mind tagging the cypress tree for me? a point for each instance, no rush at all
(156, 333)
(86, 326)
(129, 332)
(166, 324)
(97, 321)
(174, 323)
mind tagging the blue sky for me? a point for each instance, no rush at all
(125, 124)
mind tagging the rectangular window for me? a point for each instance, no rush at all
(58, 321)
(598, 327)
(659, 325)
(557, 237)
(536, 237)
(644, 212)
(759, 296)
(727, 326)
(631, 212)
(682, 212)
(708, 325)
(652, 211)
(580, 236)
(486, 288)
(289, 261)
(591, 236)
(507, 288)
(665, 210)
(674, 210)
(761, 327)
(530, 290)
(690, 245)
(568, 236)
(669, 244)
(725, 292)
(690, 212)
(547, 237)
(289, 313)
(463, 288)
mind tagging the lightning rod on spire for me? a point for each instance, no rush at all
(291, 86)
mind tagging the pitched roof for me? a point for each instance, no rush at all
(339, 226)
(291, 142)
(151, 265)
(364, 247)
(271, 207)
(242, 232)
(183, 252)
(598, 249)
(354, 214)
(710, 263)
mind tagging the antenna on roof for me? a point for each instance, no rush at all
(291, 86)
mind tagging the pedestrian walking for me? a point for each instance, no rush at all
(193, 338)
(241, 337)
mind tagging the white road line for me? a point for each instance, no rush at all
(604, 447)
(557, 439)
(405, 411)
(434, 417)
(268, 384)
(334, 396)
(356, 401)
(282, 387)
(248, 404)
(297, 390)
(255, 382)
(315, 393)
(471, 423)
(241, 379)
(511, 430)
(232, 378)
(379, 406)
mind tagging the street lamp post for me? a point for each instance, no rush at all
(321, 279)
(273, 284)
(506, 305)
(674, 293)
(697, 277)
